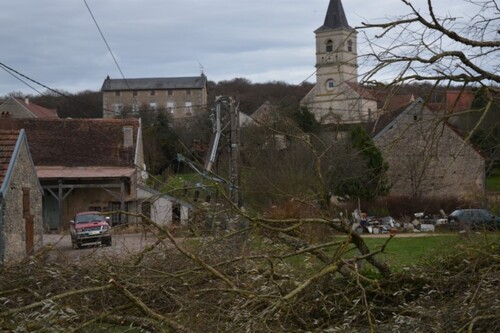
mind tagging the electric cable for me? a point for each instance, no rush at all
(12, 70)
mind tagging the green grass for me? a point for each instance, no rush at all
(408, 251)
(401, 252)
(493, 181)
(174, 184)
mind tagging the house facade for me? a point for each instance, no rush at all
(24, 108)
(21, 225)
(87, 164)
(427, 157)
(180, 97)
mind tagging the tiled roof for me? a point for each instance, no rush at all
(361, 91)
(78, 142)
(195, 82)
(37, 110)
(8, 140)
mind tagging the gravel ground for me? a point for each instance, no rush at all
(123, 244)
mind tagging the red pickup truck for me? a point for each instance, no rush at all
(90, 228)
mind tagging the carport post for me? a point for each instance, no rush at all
(60, 203)
(122, 200)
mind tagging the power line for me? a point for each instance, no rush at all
(105, 41)
(107, 44)
(11, 70)
(18, 78)
(32, 80)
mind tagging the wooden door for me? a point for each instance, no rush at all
(28, 221)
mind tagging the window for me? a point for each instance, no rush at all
(118, 93)
(349, 45)
(146, 209)
(115, 218)
(118, 108)
(135, 107)
(188, 107)
(176, 213)
(152, 92)
(134, 93)
(170, 92)
(188, 91)
(152, 106)
(170, 107)
(329, 46)
(330, 84)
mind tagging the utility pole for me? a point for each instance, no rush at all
(235, 151)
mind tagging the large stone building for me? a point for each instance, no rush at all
(336, 98)
(426, 156)
(181, 97)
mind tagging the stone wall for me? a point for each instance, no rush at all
(197, 98)
(428, 158)
(14, 231)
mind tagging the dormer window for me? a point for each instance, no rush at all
(329, 46)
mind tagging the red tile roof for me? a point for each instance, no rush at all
(361, 91)
(37, 110)
(78, 142)
(8, 140)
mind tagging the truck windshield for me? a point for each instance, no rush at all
(89, 218)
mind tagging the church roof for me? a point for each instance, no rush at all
(335, 17)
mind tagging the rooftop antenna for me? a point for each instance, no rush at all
(202, 69)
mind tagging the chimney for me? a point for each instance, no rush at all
(27, 100)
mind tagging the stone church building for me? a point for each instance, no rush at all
(336, 98)
(427, 157)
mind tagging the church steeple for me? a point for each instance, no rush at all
(333, 99)
(335, 16)
(336, 49)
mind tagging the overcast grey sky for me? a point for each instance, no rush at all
(57, 43)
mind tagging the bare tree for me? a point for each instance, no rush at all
(438, 47)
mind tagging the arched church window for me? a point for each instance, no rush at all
(329, 46)
(330, 84)
(349, 45)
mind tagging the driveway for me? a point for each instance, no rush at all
(123, 244)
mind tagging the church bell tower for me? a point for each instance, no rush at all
(336, 49)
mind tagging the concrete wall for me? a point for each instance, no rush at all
(14, 230)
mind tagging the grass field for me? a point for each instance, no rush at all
(493, 181)
(407, 251)
(404, 252)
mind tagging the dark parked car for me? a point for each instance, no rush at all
(90, 228)
(473, 219)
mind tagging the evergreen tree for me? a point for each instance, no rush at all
(372, 182)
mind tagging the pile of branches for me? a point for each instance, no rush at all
(252, 281)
